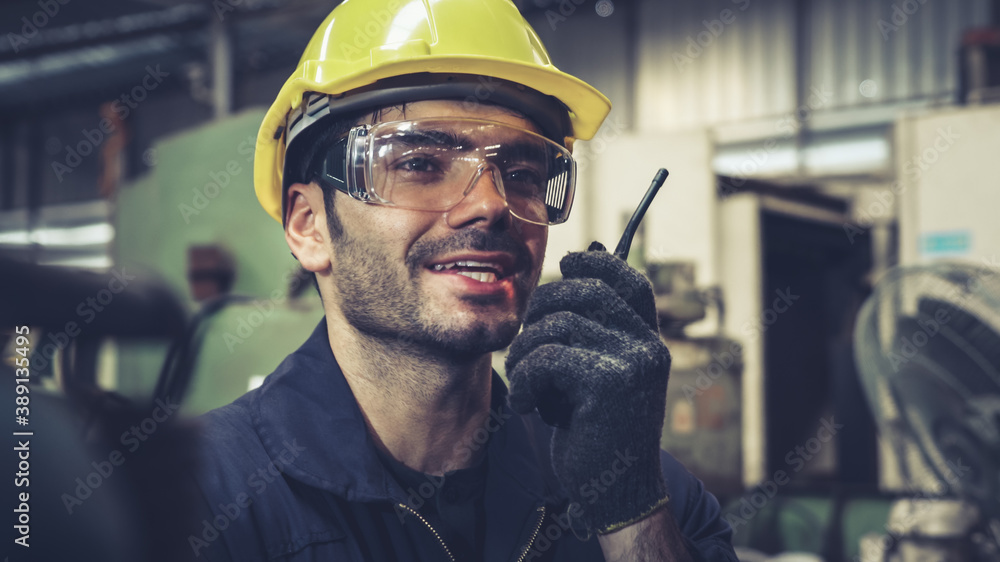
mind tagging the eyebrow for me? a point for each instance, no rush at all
(437, 138)
(520, 150)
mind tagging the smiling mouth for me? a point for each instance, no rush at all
(484, 272)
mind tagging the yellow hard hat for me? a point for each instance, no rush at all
(390, 51)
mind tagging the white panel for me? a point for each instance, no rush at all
(741, 280)
(943, 170)
(905, 186)
(681, 222)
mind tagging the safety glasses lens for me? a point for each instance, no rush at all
(433, 164)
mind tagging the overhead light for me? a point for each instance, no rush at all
(89, 235)
(88, 262)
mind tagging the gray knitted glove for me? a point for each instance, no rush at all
(590, 359)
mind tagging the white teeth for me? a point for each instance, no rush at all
(467, 263)
(481, 276)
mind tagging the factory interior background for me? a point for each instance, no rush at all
(825, 252)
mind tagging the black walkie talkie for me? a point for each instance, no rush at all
(557, 409)
(633, 224)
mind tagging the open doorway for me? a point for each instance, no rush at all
(813, 278)
(814, 281)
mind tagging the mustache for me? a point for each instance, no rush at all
(472, 239)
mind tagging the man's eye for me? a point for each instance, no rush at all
(418, 164)
(525, 177)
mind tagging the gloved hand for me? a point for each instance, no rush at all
(591, 342)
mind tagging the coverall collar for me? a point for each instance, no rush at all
(307, 401)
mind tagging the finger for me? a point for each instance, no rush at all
(564, 328)
(551, 370)
(590, 298)
(628, 283)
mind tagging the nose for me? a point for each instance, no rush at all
(483, 204)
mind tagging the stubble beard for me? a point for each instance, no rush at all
(385, 302)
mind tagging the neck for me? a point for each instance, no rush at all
(420, 407)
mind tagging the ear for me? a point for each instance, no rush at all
(305, 226)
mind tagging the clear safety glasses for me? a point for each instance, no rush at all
(432, 164)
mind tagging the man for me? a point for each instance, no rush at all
(416, 159)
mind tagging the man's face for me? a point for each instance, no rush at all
(394, 271)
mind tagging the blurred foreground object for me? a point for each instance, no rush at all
(107, 477)
(927, 346)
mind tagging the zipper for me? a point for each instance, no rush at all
(524, 551)
(534, 535)
(434, 531)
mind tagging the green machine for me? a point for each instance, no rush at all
(195, 222)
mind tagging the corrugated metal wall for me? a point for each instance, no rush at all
(690, 74)
(907, 49)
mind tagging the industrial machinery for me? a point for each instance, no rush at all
(703, 414)
(927, 346)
